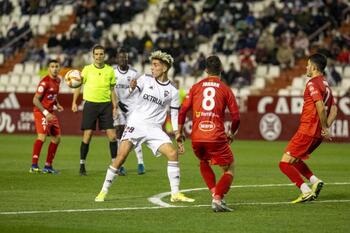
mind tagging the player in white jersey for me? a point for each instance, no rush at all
(124, 73)
(144, 125)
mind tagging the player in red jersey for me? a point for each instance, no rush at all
(46, 123)
(319, 112)
(208, 100)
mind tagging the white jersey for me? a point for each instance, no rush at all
(154, 99)
(123, 79)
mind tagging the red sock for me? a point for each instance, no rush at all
(207, 174)
(51, 153)
(38, 144)
(223, 185)
(292, 173)
(303, 169)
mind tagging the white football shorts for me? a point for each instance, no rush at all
(153, 136)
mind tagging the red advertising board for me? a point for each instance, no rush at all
(266, 118)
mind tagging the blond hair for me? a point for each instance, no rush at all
(162, 56)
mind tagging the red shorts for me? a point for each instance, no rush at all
(301, 145)
(218, 153)
(51, 128)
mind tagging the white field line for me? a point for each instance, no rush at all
(156, 199)
(160, 204)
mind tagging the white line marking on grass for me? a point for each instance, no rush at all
(157, 207)
(162, 205)
(156, 199)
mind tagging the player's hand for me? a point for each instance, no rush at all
(325, 133)
(133, 84)
(123, 106)
(74, 107)
(180, 138)
(230, 137)
(180, 148)
(49, 117)
(60, 108)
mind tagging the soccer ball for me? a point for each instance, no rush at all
(73, 78)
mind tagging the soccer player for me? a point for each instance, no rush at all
(208, 100)
(144, 125)
(318, 114)
(46, 122)
(100, 104)
(124, 73)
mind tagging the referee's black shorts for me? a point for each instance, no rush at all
(97, 111)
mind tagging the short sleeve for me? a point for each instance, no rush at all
(141, 82)
(41, 88)
(84, 74)
(112, 77)
(314, 92)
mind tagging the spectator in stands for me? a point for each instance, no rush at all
(301, 45)
(231, 75)
(6, 7)
(35, 52)
(344, 56)
(13, 31)
(332, 75)
(199, 66)
(285, 56)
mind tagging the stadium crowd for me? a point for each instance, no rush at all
(275, 35)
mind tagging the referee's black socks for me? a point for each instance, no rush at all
(113, 147)
(84, 149)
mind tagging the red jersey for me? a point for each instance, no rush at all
(208, 100)
(48, 89)
(316, 89)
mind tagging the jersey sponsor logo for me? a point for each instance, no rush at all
(205, 114)
(270, 127)
(166, 93)
(206, 126)
(10, 102)
(122, 86)
(51, 96)
(153, 99)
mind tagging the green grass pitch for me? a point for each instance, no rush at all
(257, 208)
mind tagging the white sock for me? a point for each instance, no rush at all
(110, 176)
(305, 188)
(174, 176)
(139, 156)
(313, 179)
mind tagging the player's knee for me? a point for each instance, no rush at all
(172, 155)
(56, 139)
(41, 137)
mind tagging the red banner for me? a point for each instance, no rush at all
(267, 117)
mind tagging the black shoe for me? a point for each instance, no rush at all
(82, 170)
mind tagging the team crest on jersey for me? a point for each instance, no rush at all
(128, 78)
(166, 93)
